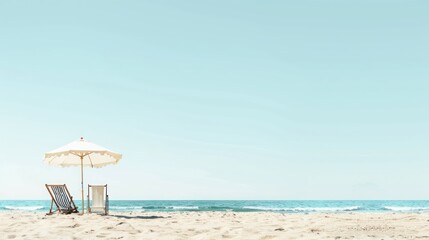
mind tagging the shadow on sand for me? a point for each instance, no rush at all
(136, 217)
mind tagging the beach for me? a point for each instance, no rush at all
(214, 225)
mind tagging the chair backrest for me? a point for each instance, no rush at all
(61, 196)
(98, 196)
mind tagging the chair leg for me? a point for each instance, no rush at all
(106, 205)
(50, 210)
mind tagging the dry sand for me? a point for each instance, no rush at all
(214, 225)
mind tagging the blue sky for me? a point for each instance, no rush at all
(219, 99)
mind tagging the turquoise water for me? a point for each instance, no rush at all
(236, 206)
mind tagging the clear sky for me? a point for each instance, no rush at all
(219, 99)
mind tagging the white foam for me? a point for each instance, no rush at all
(406, 209)
(265, 208)
(305, 209)
(126, 208)
(182, 207)
(26, 208)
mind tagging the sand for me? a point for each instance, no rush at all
(214, 225)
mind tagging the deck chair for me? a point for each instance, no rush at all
(99, 201)
(61, 197)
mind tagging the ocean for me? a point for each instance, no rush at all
(286, 206)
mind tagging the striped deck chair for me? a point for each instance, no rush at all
(61, 197)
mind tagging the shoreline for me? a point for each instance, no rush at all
(281, 206)
(214, 225)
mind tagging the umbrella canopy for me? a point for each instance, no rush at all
(93, 155)
(84, 154)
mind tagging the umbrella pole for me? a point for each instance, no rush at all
(81, 182)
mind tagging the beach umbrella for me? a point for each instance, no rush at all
(84, 154)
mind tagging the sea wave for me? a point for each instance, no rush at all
(405, 209)
(126, 208)
(183, 207)
(24, 208)
(161, 208)
(304, 209)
